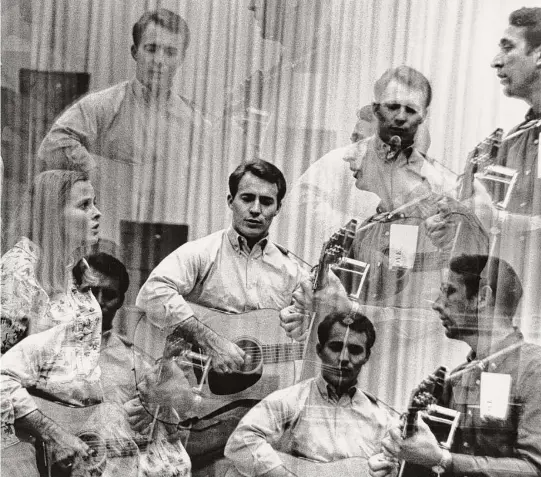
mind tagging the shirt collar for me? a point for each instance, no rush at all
(511, 341)
(329, 393)
(239, 243)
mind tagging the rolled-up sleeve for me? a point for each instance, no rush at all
(162, 295)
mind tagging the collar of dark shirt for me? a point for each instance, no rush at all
(239, 243)
(531, 115)
(510, 341)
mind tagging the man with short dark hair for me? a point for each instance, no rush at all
(518, 66)
(234, 270)
(496, 391)
(137, 137)
(323, 419)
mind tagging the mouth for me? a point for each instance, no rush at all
(253, 223)
(95, 228)
(503, 79)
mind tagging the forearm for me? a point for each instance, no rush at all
(39, 425)
(192, 331)
(463, 464)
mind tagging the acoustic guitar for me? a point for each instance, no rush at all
(270, 363)
(354, 467)
(115, 450)
(442, 421)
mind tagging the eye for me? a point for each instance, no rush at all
(150, 48)
(171, 51)
(267, 201)
(335, 347)
(85, 205)
(411, 111)
(355, 349)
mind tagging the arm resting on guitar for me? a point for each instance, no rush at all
(225, 355)
(250, 447)
(63, 445)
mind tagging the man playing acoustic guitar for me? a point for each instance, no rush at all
(234, 270)
(321, 420)
(496, 391)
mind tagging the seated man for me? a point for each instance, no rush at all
(42, 362)
(322, 419)
(496, 391)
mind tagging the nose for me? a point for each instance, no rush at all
(96, 214)
(401, 116)
(344, 356)
(353, 156)
(497, 61)
(438, 304)
(255, 208)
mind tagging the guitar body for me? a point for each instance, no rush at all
(104, 429)
(271, 362)
(354, 466)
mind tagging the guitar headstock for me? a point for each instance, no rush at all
(333, 250)
(426, 394)
(484, 154)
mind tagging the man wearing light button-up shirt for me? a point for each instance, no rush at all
(234, 270)
(323, 419)
(497, 391)
(137, 138)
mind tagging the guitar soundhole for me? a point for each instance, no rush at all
(253, 357)
(95, 463)
(249, 374)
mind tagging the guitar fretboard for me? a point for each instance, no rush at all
(281, 353)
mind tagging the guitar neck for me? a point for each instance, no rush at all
(281, 353)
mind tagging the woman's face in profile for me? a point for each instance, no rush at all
(82, 217)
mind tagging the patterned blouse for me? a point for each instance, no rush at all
(68, 366)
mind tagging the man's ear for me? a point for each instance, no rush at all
(319, 349)
(134, 52)
(229, 200)
(485, 298)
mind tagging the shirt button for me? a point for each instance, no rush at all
(466, 445)
(387, 233)
(522, 238)
(528, 172)
(536, 141)
(523, 204)
(477, 382)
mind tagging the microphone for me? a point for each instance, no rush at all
(394, 147)
(395, 142)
